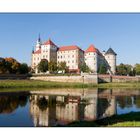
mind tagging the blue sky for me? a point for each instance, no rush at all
(19, 32)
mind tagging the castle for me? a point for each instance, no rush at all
(74, 56)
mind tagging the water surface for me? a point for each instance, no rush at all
(63, 106)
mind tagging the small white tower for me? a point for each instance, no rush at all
(110, 57)
(38, 43)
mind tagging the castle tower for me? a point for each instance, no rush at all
(38, 44)
(49, 51)
(91, 58)
(110, 57)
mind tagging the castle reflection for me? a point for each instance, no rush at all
(52, 110)
(63, 106)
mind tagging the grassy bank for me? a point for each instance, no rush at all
(46, 84)
(126, 120)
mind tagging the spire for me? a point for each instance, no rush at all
(110, 51)
(39, 40)
(33, 50)
(38, 43)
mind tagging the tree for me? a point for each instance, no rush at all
(43, 65)
(102, 69)
(52, 66)
(84, 68)
(23, 69)
(137, 69)
(62, 66)
(2, 65)
(125, 69)
(11, 65)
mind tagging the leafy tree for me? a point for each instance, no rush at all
(2, 65)
(43, 65)
(84, 68)
(52, 66)
(23, 69)
(137, 69)
(125, 69)
(11, 65)
(102, 69)
(62, 66)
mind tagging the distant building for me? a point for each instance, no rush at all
(73, 56)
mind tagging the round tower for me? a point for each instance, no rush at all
(110, 57)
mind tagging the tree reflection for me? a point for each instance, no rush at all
(9, 103)
(102, 106)
(42, 103)
(124, 102)
(137, 101)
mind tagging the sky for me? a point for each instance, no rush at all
(19, 33)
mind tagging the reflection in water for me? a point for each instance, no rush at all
(52, 108)
(10, 103)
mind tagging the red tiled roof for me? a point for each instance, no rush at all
(91, 48)
(49, 42)
(66, 48)
(38, 51)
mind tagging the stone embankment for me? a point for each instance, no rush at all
(84, 78)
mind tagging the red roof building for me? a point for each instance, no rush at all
(49, 42)
(38, 51)
(67, 48)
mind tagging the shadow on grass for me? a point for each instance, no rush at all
(109, 121)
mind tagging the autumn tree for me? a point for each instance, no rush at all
(11, 65)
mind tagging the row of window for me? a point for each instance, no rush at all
(44, 56)
(65, 51)
(68, 61)
(69, 56)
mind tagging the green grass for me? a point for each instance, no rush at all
(126, 120)
(40, 84)
(47, 84)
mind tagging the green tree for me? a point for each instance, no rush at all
(52, 66)
(84, 68)
(137, 69)
(62, 66)
(125, 69)
(102, 69)
(43, 65)
(23, 69)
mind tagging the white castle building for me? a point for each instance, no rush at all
(74, 56)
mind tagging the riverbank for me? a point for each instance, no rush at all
(47, 84)
(126, 120)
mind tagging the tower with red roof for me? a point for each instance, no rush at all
(46, 50)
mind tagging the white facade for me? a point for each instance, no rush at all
(47, 50)
(94, 58)
(73, 56)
